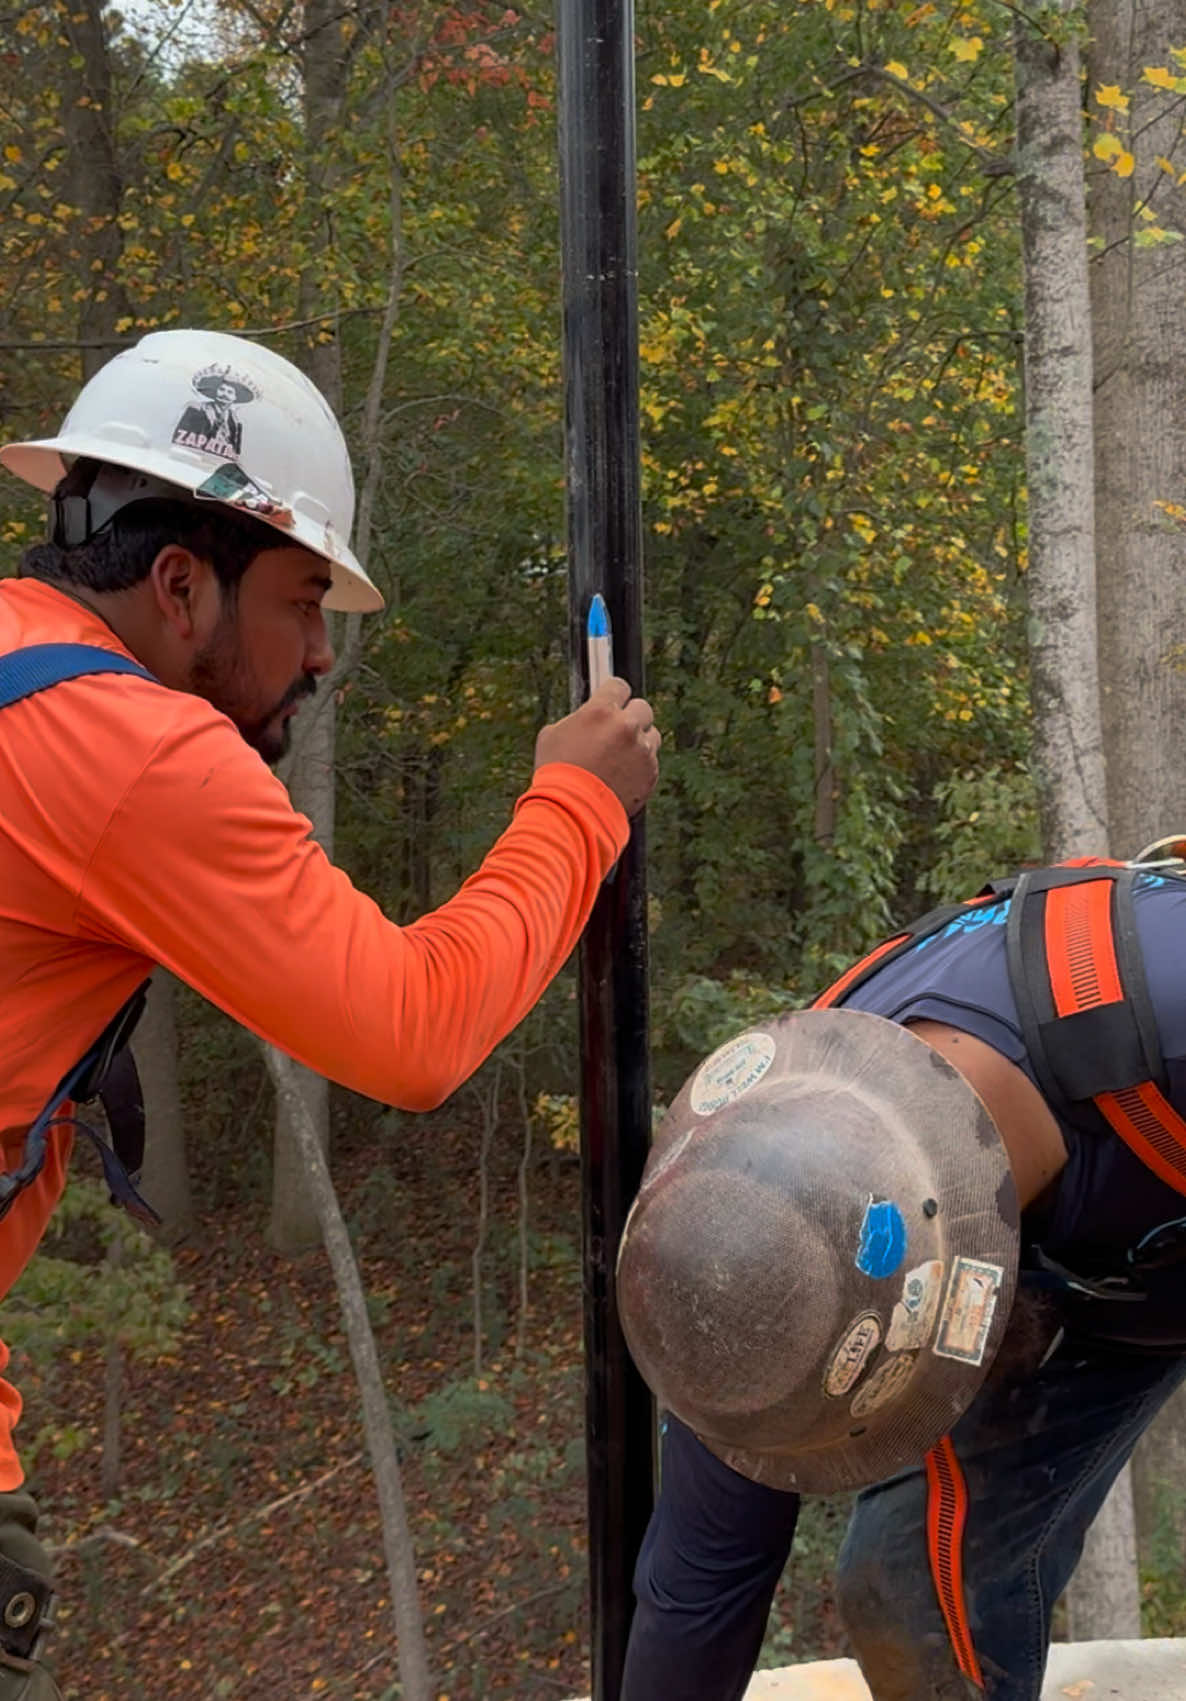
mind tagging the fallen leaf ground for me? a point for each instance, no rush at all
(243, 1557)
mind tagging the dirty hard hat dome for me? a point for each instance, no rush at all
(221, 419)
(822, 1257)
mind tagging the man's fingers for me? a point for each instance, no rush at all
(614, 691)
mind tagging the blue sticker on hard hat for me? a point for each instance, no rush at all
(883, 1239)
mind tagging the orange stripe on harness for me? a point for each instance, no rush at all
(1147, 1122)
(1081, 958)
(1079, 947)
(947, 1511)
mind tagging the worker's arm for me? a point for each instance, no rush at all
(206, 868)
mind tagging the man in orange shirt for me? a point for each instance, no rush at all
(139, 825)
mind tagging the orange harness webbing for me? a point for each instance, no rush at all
(947, 1511)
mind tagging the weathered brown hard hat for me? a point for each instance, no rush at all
(822, 1257)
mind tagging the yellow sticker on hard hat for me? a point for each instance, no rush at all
(968, 1310)
(732, 1070)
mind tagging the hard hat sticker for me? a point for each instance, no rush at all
(883, 1239)
(968, 1310)
(731, 1070)
(914, 1315)
(230, 484)
(860, 1341)
(885, 1384)
(211, 424)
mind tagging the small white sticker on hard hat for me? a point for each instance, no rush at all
(914, 1315)
(968, 1310)
(885, 1384)
(732, 1070)
(858, 1344)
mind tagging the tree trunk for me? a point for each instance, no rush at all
(1139, 315)
(93, 183)
(1159, 1489)
(397, 1539)
(1139, 320)
(1104, 1599)
(294, 1227)
(166, 1171)
(310, 776)
(1068, 753)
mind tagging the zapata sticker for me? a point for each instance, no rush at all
(213, 424)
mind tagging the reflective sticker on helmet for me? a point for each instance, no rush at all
(883, 1239)
(885, 1384)
(212, 424)
(731, 1071)
(857, 1346)
(913, 1317)
(968, 1310)
(231, 485)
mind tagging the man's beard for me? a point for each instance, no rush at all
(221, 674)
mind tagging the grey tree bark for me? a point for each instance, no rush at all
(1139, 315)
(165, 1174)
(93, 181)
(1139, 318)
(397, 1539)
(1068, 750)
(1068, 730)
(294, 1228)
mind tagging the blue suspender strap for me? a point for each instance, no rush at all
(24, 672)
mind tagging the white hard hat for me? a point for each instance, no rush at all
(226, 420)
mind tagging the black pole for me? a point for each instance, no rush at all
(595, 46)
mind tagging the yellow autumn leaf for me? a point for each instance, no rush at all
(1160, 76)
(677, 79)
(1123, 164)
(895, 68)
(967, 47)
(1110, 95)
(1107, 147)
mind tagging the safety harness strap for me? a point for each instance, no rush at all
(107, 1071)
(1086, 1016)
(947, 1511)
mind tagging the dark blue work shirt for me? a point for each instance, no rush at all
(1105, 1200)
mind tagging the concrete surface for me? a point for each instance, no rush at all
(1151, 1670)
(1077, 1671)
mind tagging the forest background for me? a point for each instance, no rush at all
(838, 646)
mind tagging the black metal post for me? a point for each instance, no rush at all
(595, 46)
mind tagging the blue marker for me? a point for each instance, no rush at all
(599, 640)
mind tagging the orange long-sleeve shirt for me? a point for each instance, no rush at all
(137, 828)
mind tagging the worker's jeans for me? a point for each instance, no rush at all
(1038, 1456)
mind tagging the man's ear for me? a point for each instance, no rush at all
(181, 583)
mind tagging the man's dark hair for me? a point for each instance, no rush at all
(120, 554)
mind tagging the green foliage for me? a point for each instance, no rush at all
(461, 1417)
(988, 826)
(96, 1282)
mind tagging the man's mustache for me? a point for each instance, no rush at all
(305, 686)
